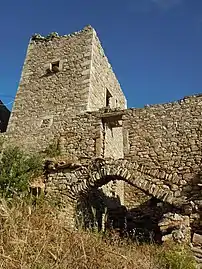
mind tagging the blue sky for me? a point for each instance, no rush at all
(154, 46)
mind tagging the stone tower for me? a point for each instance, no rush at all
(63, 76)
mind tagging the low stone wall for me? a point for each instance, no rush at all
(175, 227)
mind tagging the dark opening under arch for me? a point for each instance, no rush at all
(97, 210)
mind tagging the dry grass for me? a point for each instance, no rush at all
(36, 239)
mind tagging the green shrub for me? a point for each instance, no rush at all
(16, 169)
(176, 257)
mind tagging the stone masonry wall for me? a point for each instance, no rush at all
(167, 140)
(45, 100)
(92, 134)
(82, 137)
(102, 79)
(113, 142)
(60, 75)
(163, 142)
(87, 137)
(134, 197)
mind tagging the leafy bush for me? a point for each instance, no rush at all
(16, 169)
(176, 257)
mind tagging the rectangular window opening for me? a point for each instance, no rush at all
(108, 98)
(55, 66)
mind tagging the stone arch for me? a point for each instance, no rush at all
(88, 195)
(75, 180)
(100, 170)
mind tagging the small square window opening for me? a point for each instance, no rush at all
(46, 123)
(55, 66)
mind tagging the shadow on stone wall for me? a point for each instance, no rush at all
(142, 221)
(93, 207)
(96, 211)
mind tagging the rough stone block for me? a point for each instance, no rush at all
(197, 239)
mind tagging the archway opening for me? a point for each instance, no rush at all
(102, 208)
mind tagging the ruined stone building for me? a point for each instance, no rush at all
(145, 158)
(4, 117)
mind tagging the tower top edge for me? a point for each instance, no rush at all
(54, 35)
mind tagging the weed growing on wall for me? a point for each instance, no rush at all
(52, 150)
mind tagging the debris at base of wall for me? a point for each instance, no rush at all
(175, 227)
(196, 248)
